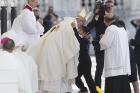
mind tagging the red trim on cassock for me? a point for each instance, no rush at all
(28, 7)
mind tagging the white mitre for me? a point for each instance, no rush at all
(88, 18)
(82, 14)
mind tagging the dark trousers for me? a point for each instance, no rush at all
(117, 84)
(99, 66)
(133, 76)
(85, 70)
(138, 65)
(137, 59)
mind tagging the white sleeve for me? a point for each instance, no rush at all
(40, 28)
(24, 80)
(107, 39)
(28, 23)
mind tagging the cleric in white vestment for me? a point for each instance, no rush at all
(25, 29)
(30, 67)
(116, 58)
(9, 63)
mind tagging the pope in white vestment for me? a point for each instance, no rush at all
(10, 64)
(25, 29)
(56, 54)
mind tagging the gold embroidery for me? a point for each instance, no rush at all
(55, 28)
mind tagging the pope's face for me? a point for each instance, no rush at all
(80, 22)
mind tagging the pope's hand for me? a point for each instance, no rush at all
(73, 24)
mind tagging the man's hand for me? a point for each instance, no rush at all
(40, 20)
(101, 35)
(73, 25)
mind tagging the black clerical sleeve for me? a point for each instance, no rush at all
(84, 47)
(136, 41)
(77, 35)
(91, 24)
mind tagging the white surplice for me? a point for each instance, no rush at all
(56, 54)
(9, 62)
(25, 29)
(116, 58)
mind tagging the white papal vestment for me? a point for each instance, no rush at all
(56, 54)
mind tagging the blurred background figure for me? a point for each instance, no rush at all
(36, 13)
(50, 19)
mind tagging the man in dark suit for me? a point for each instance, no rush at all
(136, 43)
(98, 23)
(50, 19)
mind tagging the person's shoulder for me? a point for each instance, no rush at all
(111, 27)
(85, 39)
(5, 54)
(47, 16)
(26, 12)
